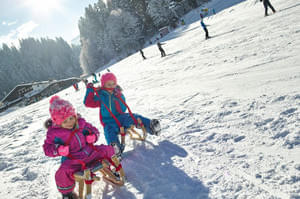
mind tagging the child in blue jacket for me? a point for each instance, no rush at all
(109, 98)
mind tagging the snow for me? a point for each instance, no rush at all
(229, 108)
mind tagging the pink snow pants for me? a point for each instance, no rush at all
(64, 175)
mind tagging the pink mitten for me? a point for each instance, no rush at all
(91, 138)
(63, 150)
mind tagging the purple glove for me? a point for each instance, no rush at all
(91, 138)
(63, 150)
(117, 92)
(90, 85)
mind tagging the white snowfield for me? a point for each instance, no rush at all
(229, 108)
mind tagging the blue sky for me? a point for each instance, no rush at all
(40, 18)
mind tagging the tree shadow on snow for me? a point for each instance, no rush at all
(293, 6)
(228, 32)
(173, 54)
(151, 172)
(178, 32)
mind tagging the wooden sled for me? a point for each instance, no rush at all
(134, 135)
(87, 176)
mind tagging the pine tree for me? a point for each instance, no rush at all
(37, 60)
(160, 12)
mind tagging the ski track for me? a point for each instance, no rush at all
(229, 108)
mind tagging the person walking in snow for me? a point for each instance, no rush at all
(95, 79)
(159, 45)
(204, 26)
(70, 137)
(182, 22)
(110, 99)
(142, 53)
(266, 5)
(75, 85)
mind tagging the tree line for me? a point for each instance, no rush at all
(109, 30)
(117, 28)
(37, 60)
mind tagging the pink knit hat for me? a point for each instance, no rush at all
(106, 77)
(60, 110)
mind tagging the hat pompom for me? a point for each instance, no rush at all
(60, 110)
(53, 99)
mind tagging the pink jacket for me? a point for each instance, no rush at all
(79, 148)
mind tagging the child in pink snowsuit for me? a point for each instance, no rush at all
(71, 137)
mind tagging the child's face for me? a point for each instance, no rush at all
(69, 123)
(110, 84)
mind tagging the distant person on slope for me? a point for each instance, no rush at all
(182, 22)
(204, 26)
(75, 85)
(159, 45)
(111, 101)
(266, 5)
(95, 79)
(142, 53)
(71, 137)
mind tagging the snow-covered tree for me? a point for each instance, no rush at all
(124, 30)
(119, 27)
(160, 12)
(37, 60)
(108, 31)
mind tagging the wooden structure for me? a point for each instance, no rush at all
(26, 94)
(134, 135)
(85, 178)
(164, 30)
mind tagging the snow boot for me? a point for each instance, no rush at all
(70, 195)
(118, 150)
(155, 127)
(122, 148)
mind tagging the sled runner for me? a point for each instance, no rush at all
(111, 170)
(134, 135)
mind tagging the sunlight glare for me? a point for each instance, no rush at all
(43, 7)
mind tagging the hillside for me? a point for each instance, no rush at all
(229, 108)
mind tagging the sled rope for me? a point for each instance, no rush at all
(88, 176)
(91, 180)
(113, 116)
(133, 118)
(83, 166)
(138, 122)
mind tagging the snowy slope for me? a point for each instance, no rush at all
(229, 108)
